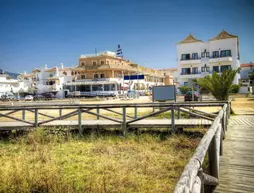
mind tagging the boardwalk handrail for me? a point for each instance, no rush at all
(193, 179)
(187, 108)
(113, 105)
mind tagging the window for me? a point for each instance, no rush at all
(195, 56)
(215, 54)
(96, 76)
(82, 63)
(203, 54)
(97, 87)
(102, 62)
(83, 76)
(226, 67)
(224, 53)
(65, 73)
(107, 62)
(185, 70)
(51, 75)
(205, 69)
(215, 68)
(102, 75)
(185, 57)
(94, 62)
(107, 87)
(207, 54)
(85, 88)
(185, 83)
(195, 70)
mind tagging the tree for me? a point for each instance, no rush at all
(234, 88)
(219, 85)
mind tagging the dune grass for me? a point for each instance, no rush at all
(41, 162)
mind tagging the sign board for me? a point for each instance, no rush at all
(164, 93)
(134, 77)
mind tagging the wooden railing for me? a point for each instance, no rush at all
(193, 178)
(124, 121)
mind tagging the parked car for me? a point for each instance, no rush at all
(49, 96)
(188, 96)
(9, 97)
(29, 98)
(38, 97)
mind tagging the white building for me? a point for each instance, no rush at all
(48, 80)
(197, 59)
(247, 78)
(9, 85)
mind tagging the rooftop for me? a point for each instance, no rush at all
(247, 65)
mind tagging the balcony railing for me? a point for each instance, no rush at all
(211, 57)
(190, 59)
(190, 73)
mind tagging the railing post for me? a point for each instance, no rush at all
(136, 112)
(35, 117)
(213, 159)
(178, 113)
(98, 112)
(201, 176)
(23, 114)
(173, 120)
(124, 126)
(80, 121)
(60, 113)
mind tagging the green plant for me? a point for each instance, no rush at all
(234, 88)
(219, 85)
(184, 89)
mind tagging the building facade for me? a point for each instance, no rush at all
(9, 85)
(247, 74)
(197, 59)
(103, 74)
(46, 80)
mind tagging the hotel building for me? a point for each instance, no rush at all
(197, 59)
(103, 74)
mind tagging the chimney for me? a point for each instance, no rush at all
(62, 66)
(57, 72)
(46, 67)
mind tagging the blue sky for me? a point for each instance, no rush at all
(38, 32)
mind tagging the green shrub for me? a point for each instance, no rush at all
(234, 88)
(184, 89)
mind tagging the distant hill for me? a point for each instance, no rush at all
(11, 74)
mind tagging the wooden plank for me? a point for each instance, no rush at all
(173, 120)
(110, 110)
(73, 113)
(80, 121)
(236, 164)
(149, 115)
(149, 123)
(39, 113)
(14, 118)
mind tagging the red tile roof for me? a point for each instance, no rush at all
(247, 65)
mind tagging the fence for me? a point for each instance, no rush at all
(193, 179)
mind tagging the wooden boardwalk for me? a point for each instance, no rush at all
(237, 163)
(148, 123)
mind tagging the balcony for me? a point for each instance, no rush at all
(191, 75)
(190, 61)
(220, 59)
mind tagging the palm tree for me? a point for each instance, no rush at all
(219, 85)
